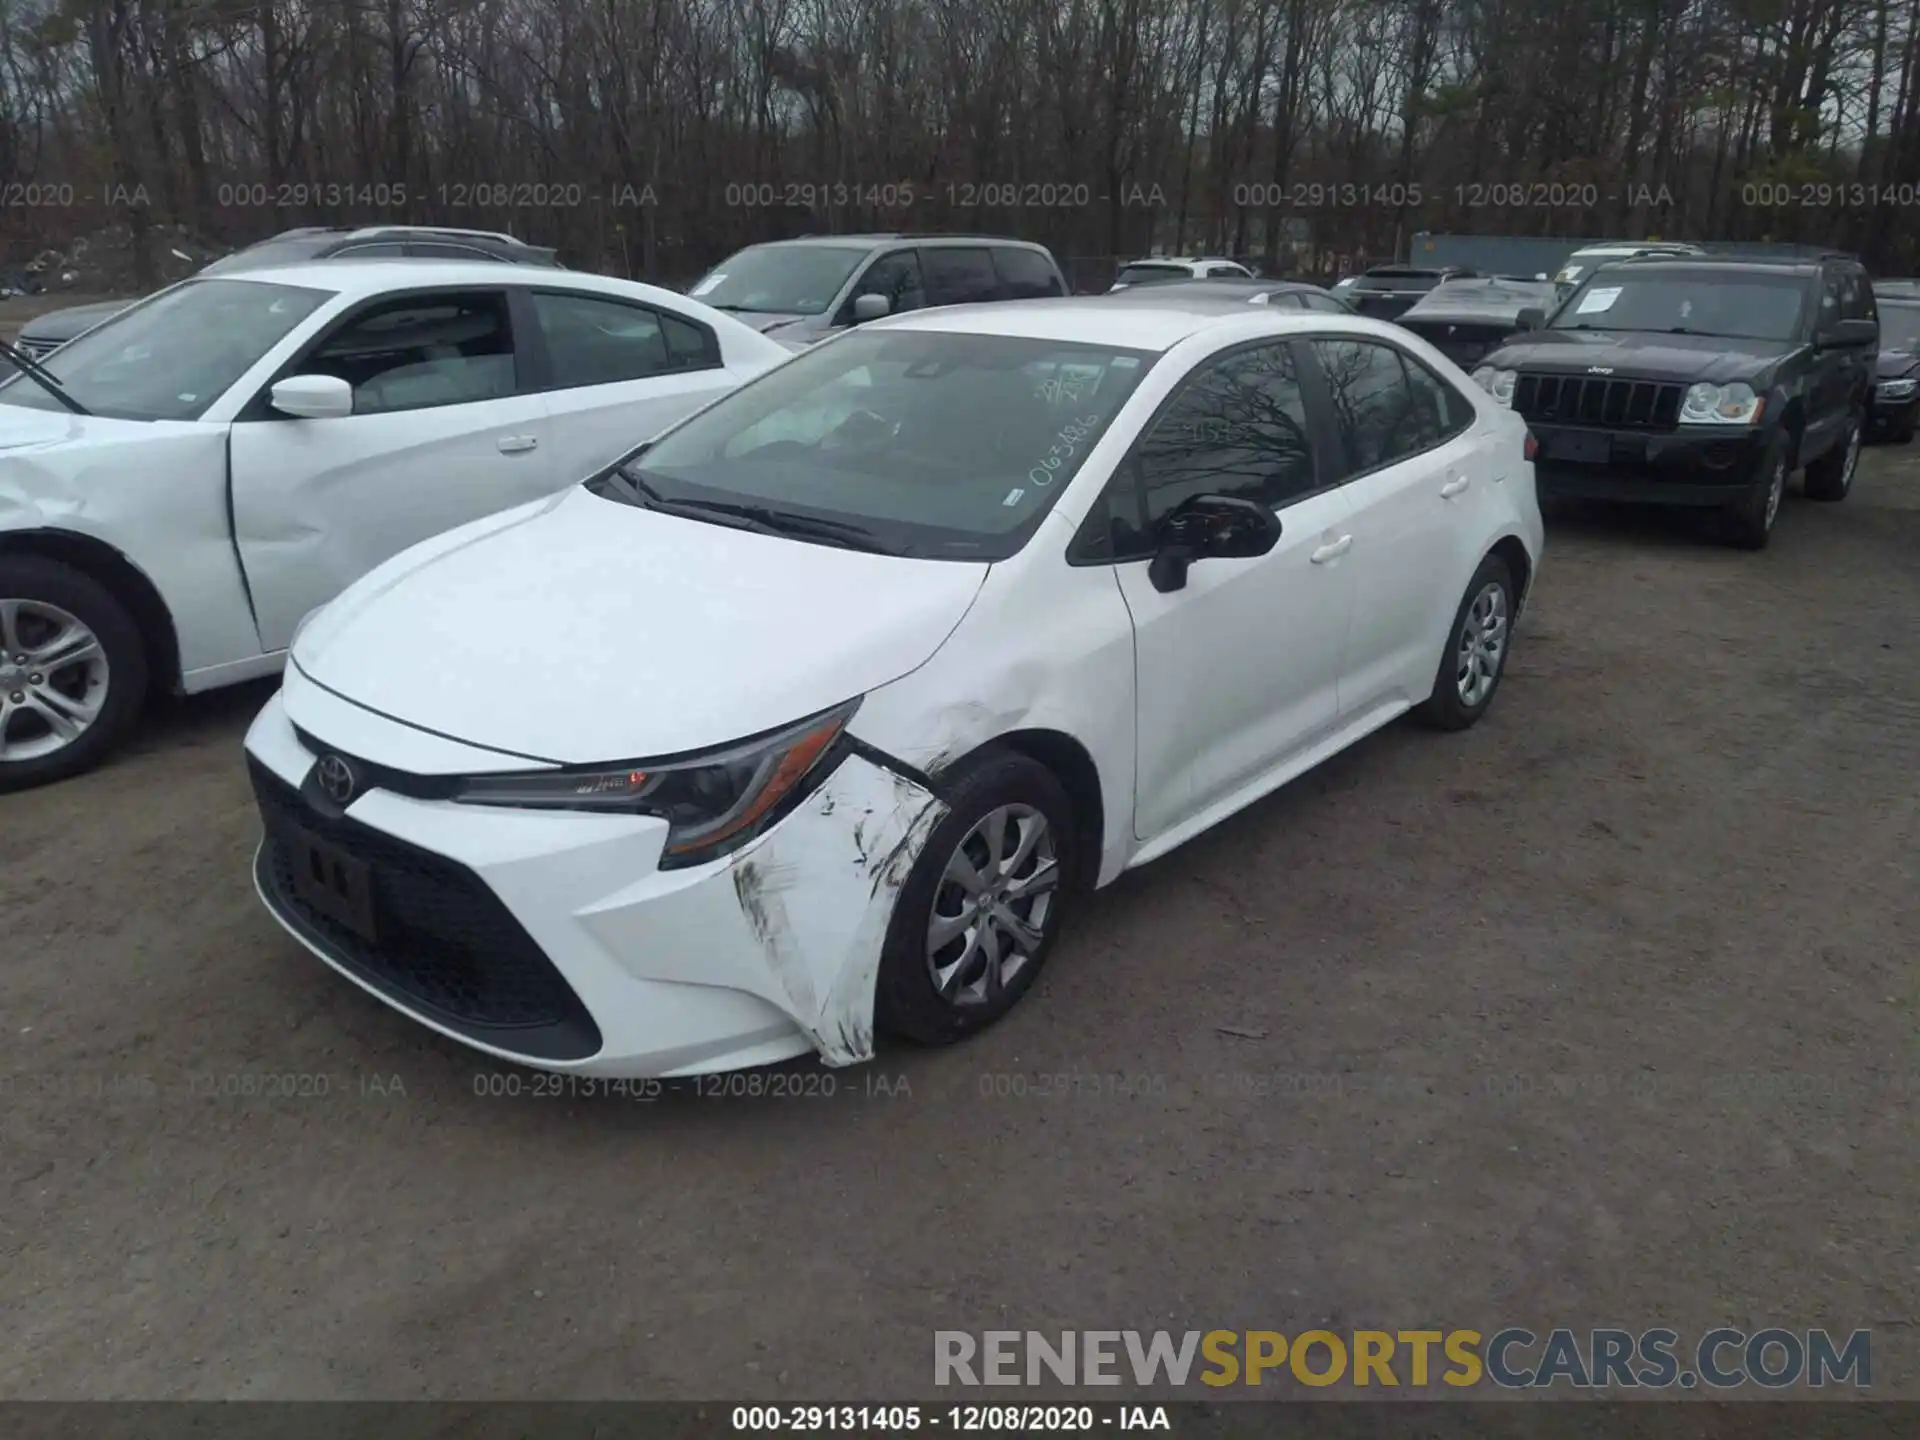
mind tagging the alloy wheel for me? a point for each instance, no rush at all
(53, 679)
(1776, 490)
(991, 907)
(1483, 644)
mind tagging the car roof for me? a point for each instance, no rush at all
(361, 279)
(1228, 289)
(1695, 264)
(1112, 320)
(869, 241)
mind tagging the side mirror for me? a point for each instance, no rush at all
(312, 397)
(1218, 527)
(1532, 318)
(1851, 334)
(870, 307)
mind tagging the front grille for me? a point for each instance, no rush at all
(1598, 400)
(446, 945)
(38, 349)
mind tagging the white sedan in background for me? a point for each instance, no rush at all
(182, 485)
(865, 671)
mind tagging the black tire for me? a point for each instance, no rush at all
(907, 1002)
(1830, 477)
(1749, 522)
(1902, 436)
(1446, 708)
(35, 578)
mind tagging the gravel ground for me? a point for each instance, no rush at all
(1602, 1013)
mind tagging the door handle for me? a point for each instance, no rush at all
(1454, 486)
(1332, 552)
(514, 444)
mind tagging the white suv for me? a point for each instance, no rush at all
(1162, 267)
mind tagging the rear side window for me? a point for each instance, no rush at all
(591, 341)
(1856, 296)
(1326, 304)
(1374, 404)
(957, 276)
(1441, 410)
(1026, 274)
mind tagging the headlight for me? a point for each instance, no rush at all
(1497, 383)
(1898, 389)
(1734, 404)
(712, 803)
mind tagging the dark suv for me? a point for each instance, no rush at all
(1701, 382)
(44, 335)
(800, 291)
(1386, 292)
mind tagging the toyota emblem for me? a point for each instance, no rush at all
(336, 778)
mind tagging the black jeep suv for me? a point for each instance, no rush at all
(1699, 381)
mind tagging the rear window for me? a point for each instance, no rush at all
(1135, 274)
(1401, 281)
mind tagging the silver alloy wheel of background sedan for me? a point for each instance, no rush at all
(53, 679)
(990, 908)
(1853, 459)
(1483, 642)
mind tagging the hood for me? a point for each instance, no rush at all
(26, 428)
(1479, 302)
(1895, 363)
(65, 324)
(1643, 356)
(765, 323)
(581, 630)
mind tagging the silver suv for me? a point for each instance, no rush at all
(801, 291)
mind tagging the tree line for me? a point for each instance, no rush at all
(652, 137)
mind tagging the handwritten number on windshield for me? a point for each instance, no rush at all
(1066, 445)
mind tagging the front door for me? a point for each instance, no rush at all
(442, 433)
(1239, 669)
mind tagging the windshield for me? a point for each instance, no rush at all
(1899, 326)
(1739, 307)
(1135, 274)
(779, 279)
(172, 356)
(941, 446)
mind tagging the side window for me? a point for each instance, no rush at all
(1026, 274)
(1289, 298)
(378, 250)
(592, 341)
(1373, 403)
(1326, 304)
(1856, 296)
(1443, 412)
(1219, 272)
(423, 351)
(896, 276)
(957, 276)
(1830, 296)
(1237, 427)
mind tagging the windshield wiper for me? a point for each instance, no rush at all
(29, 366)
(769, 521)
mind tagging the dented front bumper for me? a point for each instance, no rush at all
(764, 955)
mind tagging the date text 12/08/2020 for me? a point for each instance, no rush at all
(726, 1085)
(961, 1419)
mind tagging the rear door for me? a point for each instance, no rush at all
(1834, 371)
(1416, 477)
(959, 274)
(444, 431)
(615, 372)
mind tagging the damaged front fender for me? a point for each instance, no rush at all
(818, 894)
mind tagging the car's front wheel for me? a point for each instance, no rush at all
(1476, 652)
(73, 671)
(1831, 476)
(981, 908)
(1749, 521)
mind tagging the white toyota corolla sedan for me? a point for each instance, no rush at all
(818, 713)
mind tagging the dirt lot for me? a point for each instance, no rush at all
(1600, 1014)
